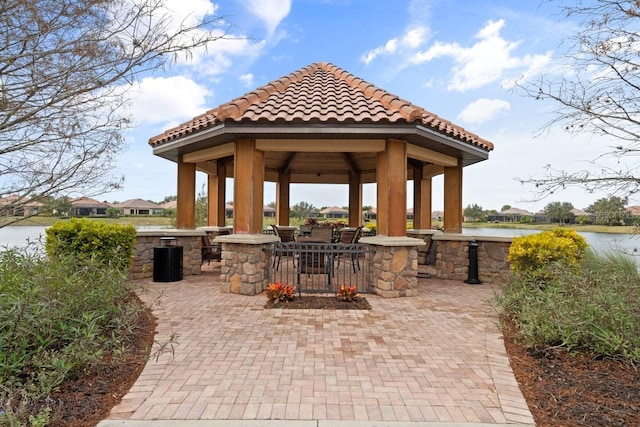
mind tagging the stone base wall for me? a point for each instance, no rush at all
(244, 267)
(394, 268)
(452, 257)
(147, 240)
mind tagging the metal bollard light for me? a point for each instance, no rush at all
(472, 279)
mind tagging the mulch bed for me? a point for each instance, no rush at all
(320, 302)
(562, 389)
(85, 401)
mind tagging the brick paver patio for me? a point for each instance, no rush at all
(437, 357)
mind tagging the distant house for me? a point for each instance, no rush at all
(370, 215)
(8, 208)
(510, 215)
(410, 213)
(334, 212)
(85, 206)
(139, 207)
(173, 204)
(268, 211)
(437, 215)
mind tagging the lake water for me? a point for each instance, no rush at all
(19, 236)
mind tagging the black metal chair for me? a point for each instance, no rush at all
(350, 236)
(286, 235)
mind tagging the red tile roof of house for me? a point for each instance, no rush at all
(320, 93)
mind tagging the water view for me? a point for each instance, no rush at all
(20, 236)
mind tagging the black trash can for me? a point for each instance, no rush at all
(167, 261)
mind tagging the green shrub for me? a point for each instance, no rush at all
(58, 317)
(593, 309)
(537, 253)
(83, 238)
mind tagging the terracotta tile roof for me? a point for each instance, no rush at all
(138, 204)
(320, 93)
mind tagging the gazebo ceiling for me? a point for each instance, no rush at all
(320, 123)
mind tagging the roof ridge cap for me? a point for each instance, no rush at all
(409, 111)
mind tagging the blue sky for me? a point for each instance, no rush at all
(456, 58)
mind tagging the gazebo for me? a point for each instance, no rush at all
(320, 124)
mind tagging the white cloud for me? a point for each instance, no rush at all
(484, 62)
(167, 99)
(189, 12)
(483, 110)
(411, 40)
(271, 12)
(246, 79)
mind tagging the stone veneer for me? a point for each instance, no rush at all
(146, 240)
(244, 268)
(452, 257)
(395, 265)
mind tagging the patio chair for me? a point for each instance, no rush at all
(286, 235)
(350, 236)
(210, 251)
(322, 234)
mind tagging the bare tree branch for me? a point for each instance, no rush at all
(65, 66)
(601, 97)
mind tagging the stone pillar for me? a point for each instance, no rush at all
(244, 263)
(394, 268)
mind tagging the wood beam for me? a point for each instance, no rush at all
(397, 151)
(355, 200)
(216, 194)
(248, 189)
(322, 145)
(186, 200)
(430, 156)
(210, 153)
(382, 194)
(348, 159)
(432, 170)
(453, 199)
(287, 164)
(421, 200)
(283, 198)
(392, 189)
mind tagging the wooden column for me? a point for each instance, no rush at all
(355, 200)
(392, 189)
(186, 200)
(216, 191)
(421, 199)
(382, 194)
(453, 198)
(248, 189)
(283, 198)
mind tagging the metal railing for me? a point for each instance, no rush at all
(321, 267)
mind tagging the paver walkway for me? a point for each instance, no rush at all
(437, 357)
